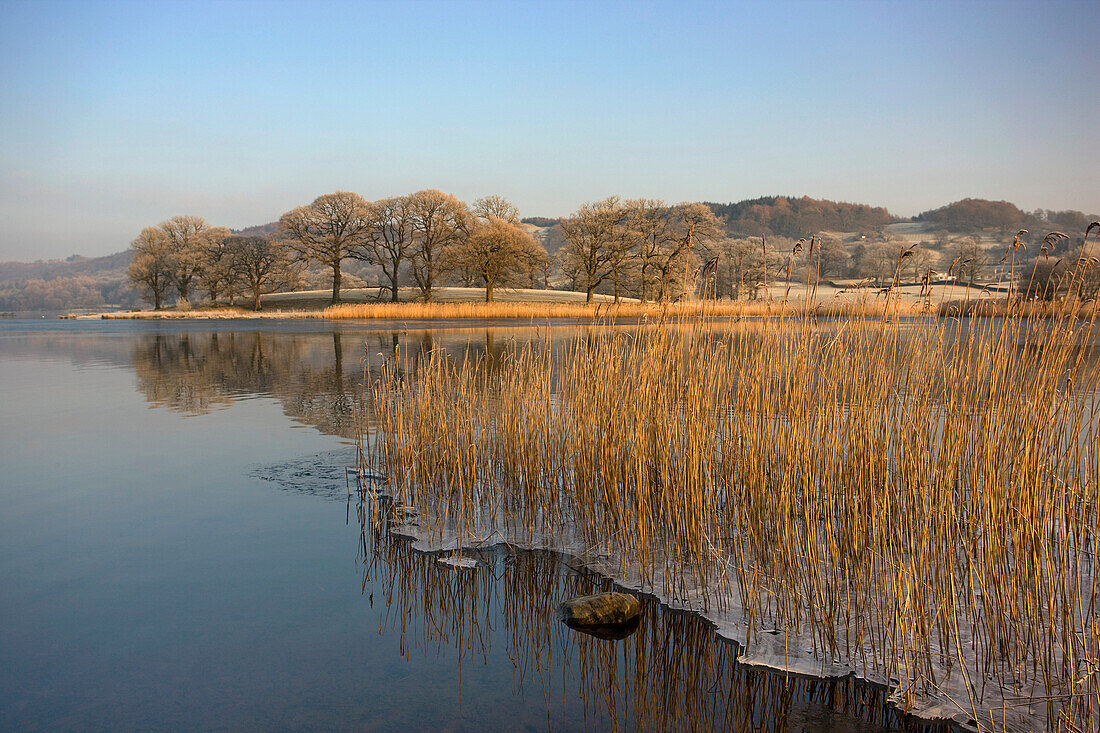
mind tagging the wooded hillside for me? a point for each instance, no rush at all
(798, 217)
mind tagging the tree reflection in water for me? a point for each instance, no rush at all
(318, 377)
(672, 673)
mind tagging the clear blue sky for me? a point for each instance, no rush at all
(114, 116)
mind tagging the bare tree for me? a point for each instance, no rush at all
(592, 237)
(328, 231)
(263, 264)
(390, 238)
(971, 258)
(500, 252)
(216, 273)
(570, 268)
(1040, 279)
(498, 206)
(693, 225)
(188, 238)
(438, 221)
(884, 259)
(651, 221)
(151, 265)
(740, 266)
(540, 274)
(827, 259)
(623, 257)
(921, 261)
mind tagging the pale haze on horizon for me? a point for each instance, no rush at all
(115, 116)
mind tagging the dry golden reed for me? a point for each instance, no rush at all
(920, 497)
(605, 311)
(467, 310)
(864, 303)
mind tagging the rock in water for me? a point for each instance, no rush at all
(609, 632)
(603, 609)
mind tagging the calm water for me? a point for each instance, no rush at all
(177, 551)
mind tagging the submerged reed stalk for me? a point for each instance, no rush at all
(671, 673)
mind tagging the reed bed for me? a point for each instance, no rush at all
(605, 311)
(858, 306)
(227, 313)
(473, 310)
(914, 501)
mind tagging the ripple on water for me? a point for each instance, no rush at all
(322, 475)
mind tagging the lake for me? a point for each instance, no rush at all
(178, 550)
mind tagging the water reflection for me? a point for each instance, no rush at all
(169, 592)
(672, 673)
(319, 378)
(319, 372)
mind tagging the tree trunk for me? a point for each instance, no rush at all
(666, 275)
(256, 297)
(336, 283)
(588, 294)
(488, 291)
(393, 287)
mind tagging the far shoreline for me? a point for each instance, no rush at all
(464, 304)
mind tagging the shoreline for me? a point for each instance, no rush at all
(456, 303)
(642, 312)
(779, 651)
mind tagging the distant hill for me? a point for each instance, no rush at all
(260, 230)
(549, 235)
(68, 267)
(539, 221)
(974, 214)
(787, 216)
(969, 215)
(75, 282)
